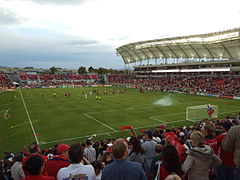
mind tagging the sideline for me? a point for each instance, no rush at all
(29, 118)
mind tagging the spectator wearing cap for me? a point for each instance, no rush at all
(34, 149)
(89, 151)
(76, 170)
(122, 168)
(149, 148)
(35, 167)
(231, 142)
(225, 170)
(59, 161)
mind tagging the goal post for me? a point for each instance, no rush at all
(199, 112)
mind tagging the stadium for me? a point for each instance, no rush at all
(176, 84)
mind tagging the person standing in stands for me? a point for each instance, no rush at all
(208, 131)
(225, 170)
(171, 163)
(122, 168)
(35, 166)
(34, 149)
(76, 170)
(231, 142)
(16, 170)
(89, 151)
(149, 149)
(59, 161)
(200, 158)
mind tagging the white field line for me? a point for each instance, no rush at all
(141, 127)
(106, 133)
(99, 122)
(134, 107)
(29, 118)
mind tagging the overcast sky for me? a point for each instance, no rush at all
(73, 33)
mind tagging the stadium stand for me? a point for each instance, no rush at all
(4, 81)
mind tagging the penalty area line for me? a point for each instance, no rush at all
(99, 122)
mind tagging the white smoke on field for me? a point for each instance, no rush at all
(164, 101)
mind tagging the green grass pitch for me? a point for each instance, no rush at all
(71, 119)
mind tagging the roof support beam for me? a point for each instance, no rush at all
(149, 49)
(172, 51)
(161, 52)
(195, 51)
(208, 50)
(224, 47)
(126, 49)
(144, 53)
(182, 51)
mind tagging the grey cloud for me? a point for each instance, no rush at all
(59, 2)
(81, 43)
(8, 18)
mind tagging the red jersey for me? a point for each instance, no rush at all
(53, 165)
(164, 173)
(38, 177)
(213, 144)
(26, 158)
(226, 157)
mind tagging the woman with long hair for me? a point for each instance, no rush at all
(171, 163)
(136, 151)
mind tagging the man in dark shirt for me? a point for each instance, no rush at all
(122, 169)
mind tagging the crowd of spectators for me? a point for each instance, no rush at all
(56, 80)
(4, 81)
(207, 150)
(225, 86)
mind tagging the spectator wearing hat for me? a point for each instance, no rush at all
(122, 168)
(149, 148)
(231, 142)
(76, 170)
(89, 151)
(59, 161)
(35, 166)
(225, 170)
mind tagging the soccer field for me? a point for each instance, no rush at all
(26, 116)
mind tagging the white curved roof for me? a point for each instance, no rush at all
(224, 44)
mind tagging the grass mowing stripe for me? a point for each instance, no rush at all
(99, 122)
(29, 118)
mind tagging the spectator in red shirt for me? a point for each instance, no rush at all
(59, 161)
(171, 163)
(34, 149)
(208, 131)
(225, 171)
(35, 166)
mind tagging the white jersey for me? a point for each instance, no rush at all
(78, 171)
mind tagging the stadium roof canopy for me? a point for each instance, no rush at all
(213, 46)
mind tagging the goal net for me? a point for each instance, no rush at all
(196, 113)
